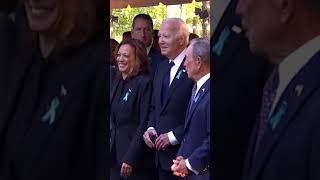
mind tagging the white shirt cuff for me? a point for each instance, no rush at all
(173, 140)
(151, 128)
(190, 168)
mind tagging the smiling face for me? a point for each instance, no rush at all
(125, 58)
(169, 39)
(42, 15)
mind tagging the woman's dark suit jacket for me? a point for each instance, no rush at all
(128, 126)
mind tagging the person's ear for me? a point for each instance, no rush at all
(286, 9)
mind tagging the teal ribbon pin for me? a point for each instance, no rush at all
(179, 74)
(278, 115)
(218, 47)
(50, 115)
(125, 98)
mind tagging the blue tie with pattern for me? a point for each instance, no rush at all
(269, 93)
(166, 81)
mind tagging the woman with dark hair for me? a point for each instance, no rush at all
(54, 97)
(130, 100)
(113, 46)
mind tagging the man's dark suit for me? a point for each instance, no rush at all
(195, 145)
(290, 150)
(170, 115)
(155, 58)
(128, 126)
(238, 79)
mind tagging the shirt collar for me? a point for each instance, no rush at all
(149, 47)
(293, 63)
(178, 60)
(201, 81)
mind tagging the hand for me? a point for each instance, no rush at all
(146, 137)
(126, 170)
(162, 141)
(179, 167)
(176, 163)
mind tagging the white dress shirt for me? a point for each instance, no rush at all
(177, 62)
(149, 47)
(201, 82)
(292, 64)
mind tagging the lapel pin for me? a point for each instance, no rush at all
(299, 90)
(126, 96)
(179, 74)
(236, 29)
(50, 115)
(203, 89)
(63, 91)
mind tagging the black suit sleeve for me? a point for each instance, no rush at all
(151, 116)
(178, 132)
(98, 114)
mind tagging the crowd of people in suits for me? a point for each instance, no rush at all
(160, 104)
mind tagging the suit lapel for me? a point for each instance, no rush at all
(205, 88)
(177, 80)
(294, 102)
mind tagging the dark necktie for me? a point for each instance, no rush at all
(269, 93)
(166, 81)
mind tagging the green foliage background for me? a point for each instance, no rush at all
(157, 13)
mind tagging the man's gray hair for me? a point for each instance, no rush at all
(180, 26)
(201, 48)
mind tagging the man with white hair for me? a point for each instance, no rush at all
(170, 97)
